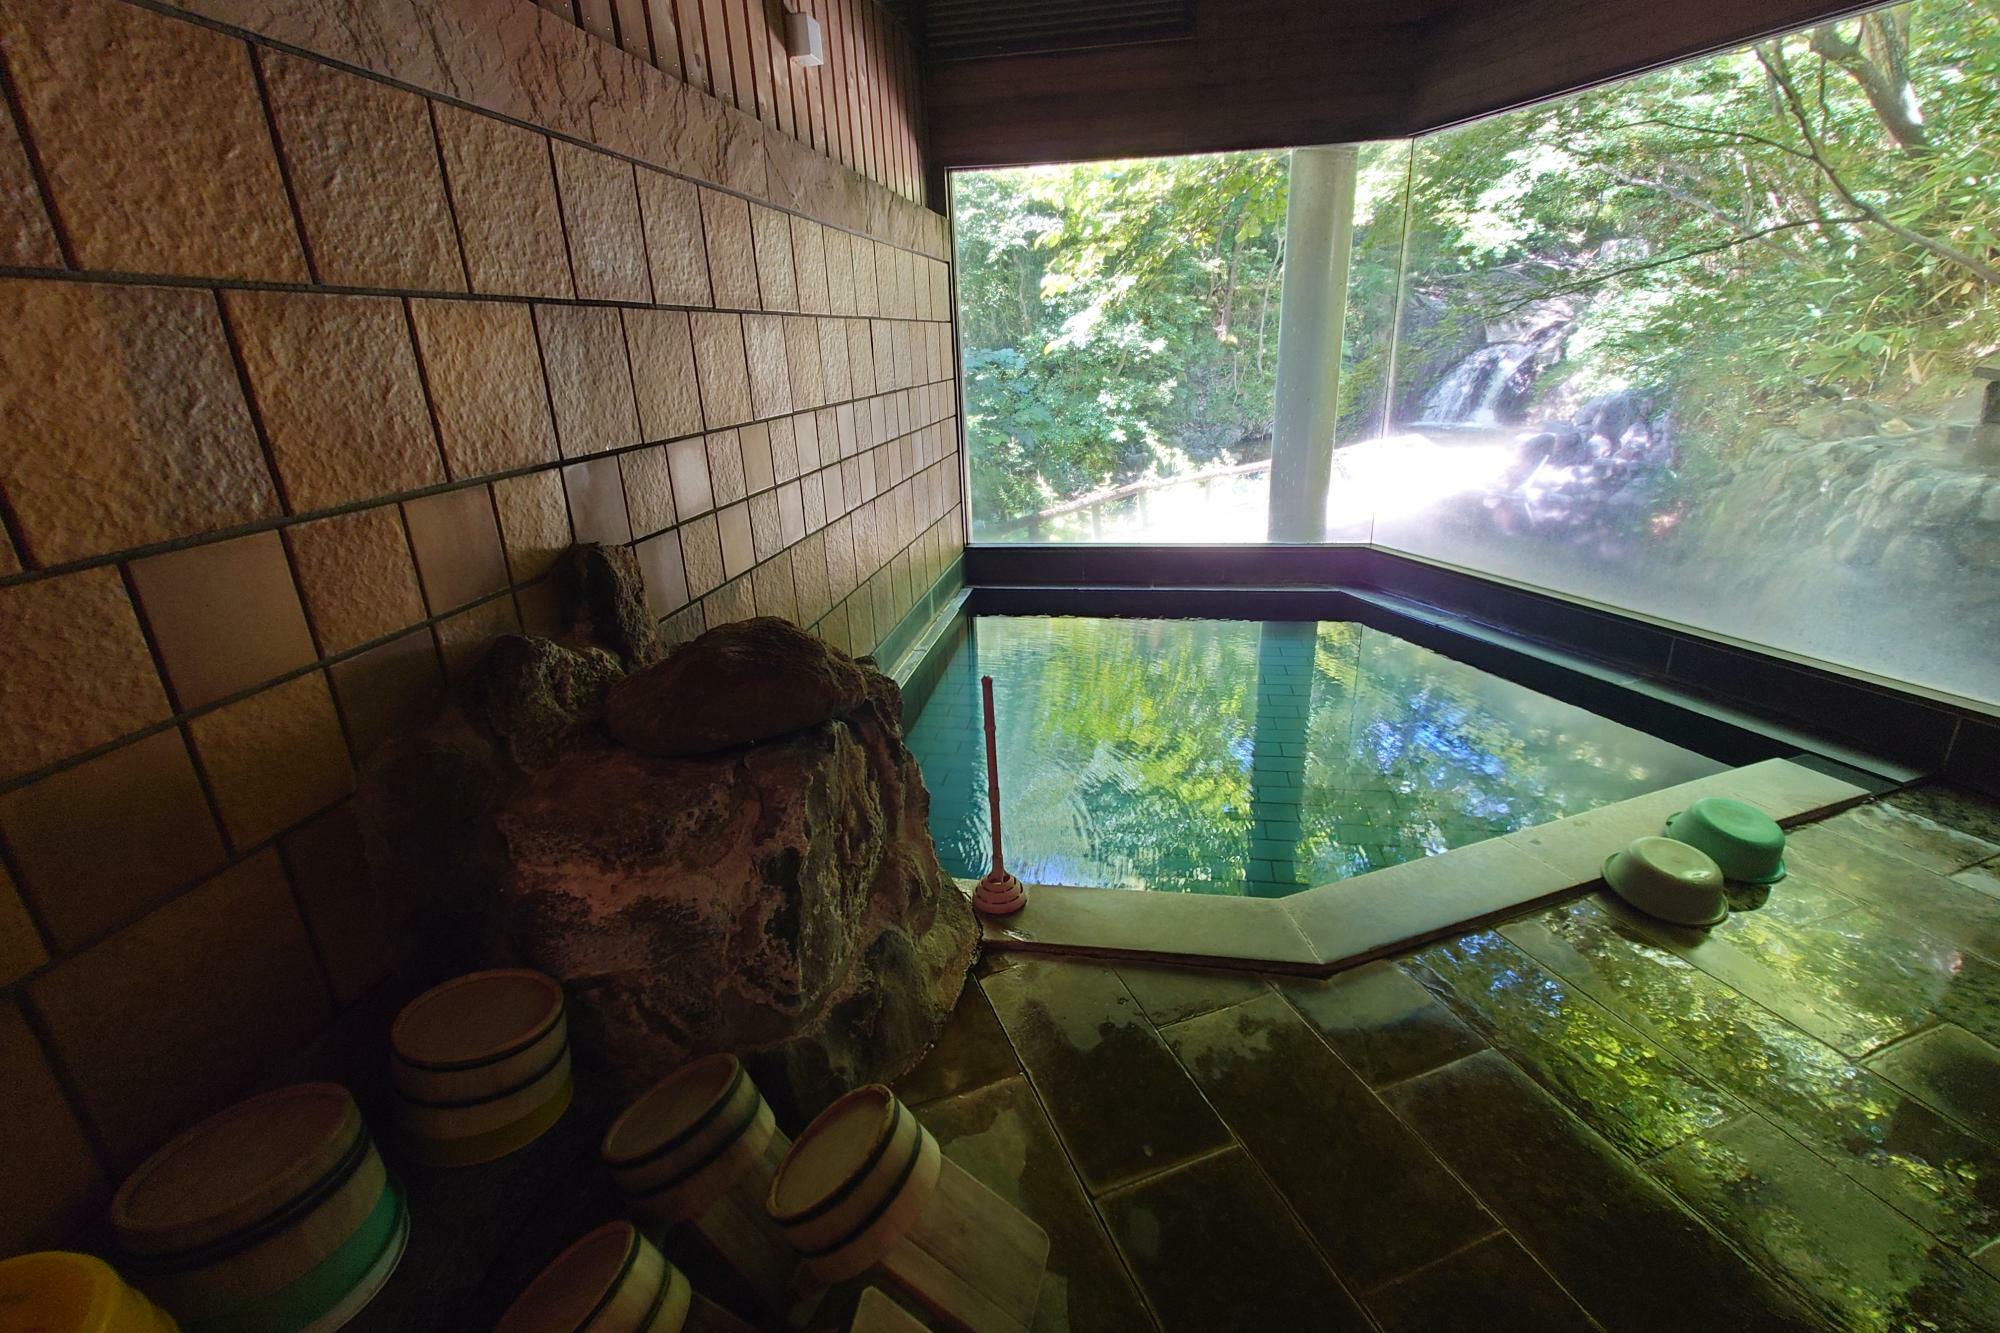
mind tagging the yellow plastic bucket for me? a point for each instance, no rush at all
(59, 1292)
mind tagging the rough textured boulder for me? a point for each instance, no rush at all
(785, 903)
(781, 900)
(604, 602)
(533, 697)
(748, 681)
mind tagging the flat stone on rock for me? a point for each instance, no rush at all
(748, 681)
(534, 697)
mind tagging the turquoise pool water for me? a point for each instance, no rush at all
(1251, 757)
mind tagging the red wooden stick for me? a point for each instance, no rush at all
(992, 772)
(999, 894)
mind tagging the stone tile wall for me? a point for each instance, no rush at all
(313, 362)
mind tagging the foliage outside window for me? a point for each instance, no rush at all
(1713, 343)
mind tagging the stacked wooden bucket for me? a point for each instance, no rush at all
(276, 1213)
(698, 1152)
(614, 1281)
(279, 1214)
(481, 1066)
(59, 1292)
(865, 1187)
(876, 1313)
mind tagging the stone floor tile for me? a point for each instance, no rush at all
(1121, 1102)
(1956, 807)
(1759, 955)
(1626, 1249)
(1492, 1287)
(1802, 896)
(999, 1134)
(1909, 893)
(1169, 994)
(1416, 899)
(1861, 1263)
(1939, 828)
(1789, 790)
(1621, 1082)
(1951, 1071)
(1327, 1142)
(993, 961)
(1216, 1252)
(1899, 1149)
(1381, 1021)
(1234, 931)
(971, 1052)
(1983, 878)
(1874, 974)
(1578, 844)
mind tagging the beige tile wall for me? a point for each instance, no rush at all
(309, 373)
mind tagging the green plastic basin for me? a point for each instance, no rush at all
(1670, 880)
(1743, 840)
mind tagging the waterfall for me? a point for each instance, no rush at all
(1477, 389)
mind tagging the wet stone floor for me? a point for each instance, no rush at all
(1575, 1120)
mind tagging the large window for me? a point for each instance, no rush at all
(1717, 344)
(1120, 333)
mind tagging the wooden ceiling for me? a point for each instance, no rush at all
(1016, 81)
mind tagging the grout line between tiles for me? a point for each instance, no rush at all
(450, 202)
(1069, 1160)
(256, 61)
(43, 193)
(351, 507)
(1450, 1255)
(1236, 1142)
(1145, 1178)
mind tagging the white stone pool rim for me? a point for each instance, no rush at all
(1323, 929)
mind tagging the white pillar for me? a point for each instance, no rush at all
(1312, 316)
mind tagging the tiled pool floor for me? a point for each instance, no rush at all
(1572, 1121)
(1252, 758)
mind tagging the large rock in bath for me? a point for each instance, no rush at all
(784, 903)
(781, 901)
(749, 681)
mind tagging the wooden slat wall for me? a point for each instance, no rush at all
(1256, 73)
(1481, 64)
(1278, 73)
(861, 107)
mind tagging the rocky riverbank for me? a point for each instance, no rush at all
(1863, 484)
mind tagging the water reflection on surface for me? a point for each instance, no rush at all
(1251, 757)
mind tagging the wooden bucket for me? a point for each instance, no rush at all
(60, 1292)
(865, 1186)
(481, 1066)
(699, 1151)
(613, 1280)
(274, 1213)
(876, 1313)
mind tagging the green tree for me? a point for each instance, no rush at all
(1811, 216)
(1120, 320)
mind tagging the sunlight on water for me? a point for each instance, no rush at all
(1258, 757)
